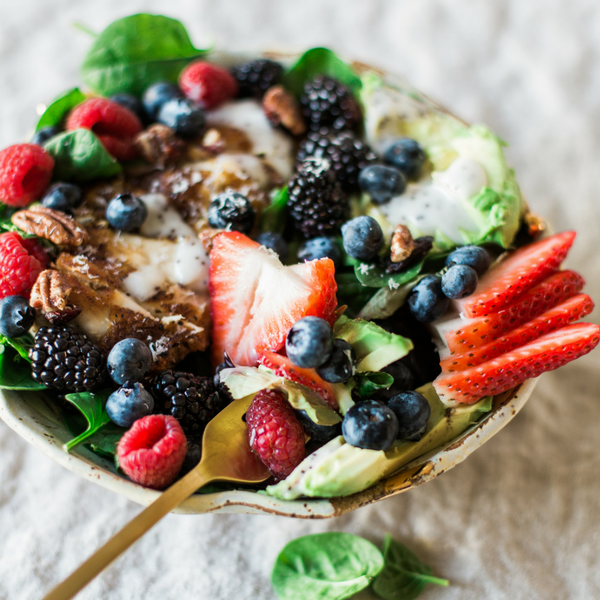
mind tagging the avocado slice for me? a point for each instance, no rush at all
(339, 469)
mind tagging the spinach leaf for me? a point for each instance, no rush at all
(370, 382)
(274, 217)
(15, 373)
(134, 52)
(372, 275)
(93, 407)
(320, 61)
(80, 157)
(387, 301)
(21, 344)
(106, 439)
(404, 575)
(352, 293)
(325, 566)
(59, 107)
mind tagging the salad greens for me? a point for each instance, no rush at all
(274, 216)
(79, 156)
(372, 275)
(92, 406)
(59, 107)
(136, 51)
(15, 372)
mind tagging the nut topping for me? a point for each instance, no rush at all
(54, 225)
(281, 108)
(403, 244)
(50, 295)
(158, 145)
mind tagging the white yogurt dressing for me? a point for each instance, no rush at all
(244, 166)
(268, 143)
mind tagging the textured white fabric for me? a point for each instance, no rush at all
(520, 518)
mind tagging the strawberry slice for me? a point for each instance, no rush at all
(495, 376)
(283, 367)
(515, 275)
(571, 310)
(255, 299)
(463, 335)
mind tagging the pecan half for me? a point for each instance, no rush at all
(50, 295)
(158, 145)
(54, 225)
(403, 243)
(282, 108)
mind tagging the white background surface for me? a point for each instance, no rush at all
(520, 519)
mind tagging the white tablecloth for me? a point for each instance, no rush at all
(520, 518)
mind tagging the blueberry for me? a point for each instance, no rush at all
(309, 342)
(126, 212)
(132, 104)
(472, 256)
(318, 433)
(427, 302)
(382, 183)
(407, 156)
(338, 367)
(63, 197)
(232, 211)
(403, 380)
(362, 238)
(371, 425)
(321, 247)
(412, 411)
(156, 95)
(16, 316)
(128, 404)
(183, 116)
(459, 281)
(46, 133)
(129, 361)
(275, 242)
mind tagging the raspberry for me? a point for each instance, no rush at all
(275, 433)
(152, 451)
(21, 261)
(25, 172)
(115, 125)
(207, 84)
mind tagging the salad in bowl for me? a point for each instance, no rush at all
(194, 226)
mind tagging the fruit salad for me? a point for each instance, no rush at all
(195, 227)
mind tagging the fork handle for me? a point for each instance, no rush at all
(132, 532)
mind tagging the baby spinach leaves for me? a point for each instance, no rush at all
(327, 566)
(21, 344)
(372, 275)
(273, 218)
(321, 61)
(15, 372)
(79, 157)
(404, 575)
(335, 565)
(59, 107)
(370, 382)
(134, 52)
(92, 406)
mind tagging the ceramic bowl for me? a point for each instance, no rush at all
(38, 421)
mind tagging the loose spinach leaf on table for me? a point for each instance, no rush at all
(321, 61)
(93, 407)
(404, 576)
(134, 52)
(59, 107)
(15, 373)
(325, 566)
(79, 157)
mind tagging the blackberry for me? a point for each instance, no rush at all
(317, 203)
(193, 400)
(347, 154)
(63, 359)
(327, 103)
(256, 77)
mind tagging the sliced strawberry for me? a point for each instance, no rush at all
(463, 335)
(283, 367)
(569, 311)
(515, 275)
(512, 368)
(255, 299)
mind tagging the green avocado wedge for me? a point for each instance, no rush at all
(339, 469)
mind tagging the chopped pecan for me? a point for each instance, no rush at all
(403, 243)
(281, 108)
(422, 246)
(158, 145)
(50, 295)
(54, 225)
